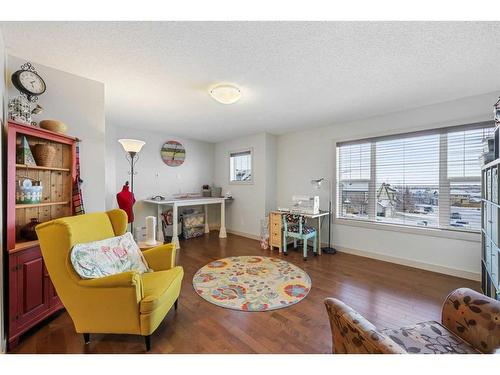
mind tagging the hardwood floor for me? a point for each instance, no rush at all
(388, 295)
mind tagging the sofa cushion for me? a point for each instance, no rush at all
(429, 338)
(158, 290)
(108, 257)
(474, 317)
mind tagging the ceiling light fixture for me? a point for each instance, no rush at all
(225, 93)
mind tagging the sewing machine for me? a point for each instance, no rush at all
(303, 204)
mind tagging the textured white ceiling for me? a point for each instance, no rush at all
(293, 75)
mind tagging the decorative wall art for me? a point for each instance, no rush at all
(173, 153)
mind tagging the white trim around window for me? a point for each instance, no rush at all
(246, 156)
(431, 232)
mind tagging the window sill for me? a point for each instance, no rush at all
(241, 182)
(433, 232)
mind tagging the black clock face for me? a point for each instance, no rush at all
(28, 82)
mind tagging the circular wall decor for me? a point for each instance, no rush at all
(173, 153)
(251, 283)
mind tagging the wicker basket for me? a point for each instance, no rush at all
(44, 155)
(54, 126)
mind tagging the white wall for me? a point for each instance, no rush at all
(251, 201)
(271, 178)
(307, 154)
(110, 167)
(153, 176)
(79, 103)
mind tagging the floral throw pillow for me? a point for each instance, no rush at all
(108, 257)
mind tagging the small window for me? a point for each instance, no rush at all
(240, 167)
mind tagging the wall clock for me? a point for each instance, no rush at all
(173, 153)
(28, 82)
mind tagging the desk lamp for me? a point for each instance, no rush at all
(317, 183)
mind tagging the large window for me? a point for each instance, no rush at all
(425, 179)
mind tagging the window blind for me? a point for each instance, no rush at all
(425, 179)
(354, 172)
(464, 177)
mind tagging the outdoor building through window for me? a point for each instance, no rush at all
(240, 166)
(425, 179)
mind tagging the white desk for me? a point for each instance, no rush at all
(182, 202)
(318, 216)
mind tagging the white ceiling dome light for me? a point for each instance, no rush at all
(225, 93)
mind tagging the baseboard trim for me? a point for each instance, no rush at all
(412, 263)
(386, 258)
(242, 234)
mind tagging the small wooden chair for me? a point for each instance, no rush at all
(294, 226)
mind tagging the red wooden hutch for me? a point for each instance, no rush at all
(31, 295)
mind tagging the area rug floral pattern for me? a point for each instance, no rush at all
(251, 283)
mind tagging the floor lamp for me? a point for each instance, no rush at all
(317, 183)
(132, 147)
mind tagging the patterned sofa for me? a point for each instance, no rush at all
(470, 323)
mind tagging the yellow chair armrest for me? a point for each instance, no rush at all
(125, 279)
(161, 258)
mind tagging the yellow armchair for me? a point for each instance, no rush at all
(127, 303)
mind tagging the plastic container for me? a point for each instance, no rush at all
(195, 219)
(216, 192)
(194, 231)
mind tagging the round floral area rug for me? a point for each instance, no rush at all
(251, 283)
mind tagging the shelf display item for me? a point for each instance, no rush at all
(44, 154)
(20, 110)
(28, 232)
(55, 126)
(29, 192)
(24, 154)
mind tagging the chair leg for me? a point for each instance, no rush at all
(294, 243)
(147, 340)
(315, 247)
(86, 338)
(176, 303)
(305, 248)
(284, 244)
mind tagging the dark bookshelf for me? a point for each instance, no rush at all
(490, 229)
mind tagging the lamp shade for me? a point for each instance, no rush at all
(132, 145)
(225, 93)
